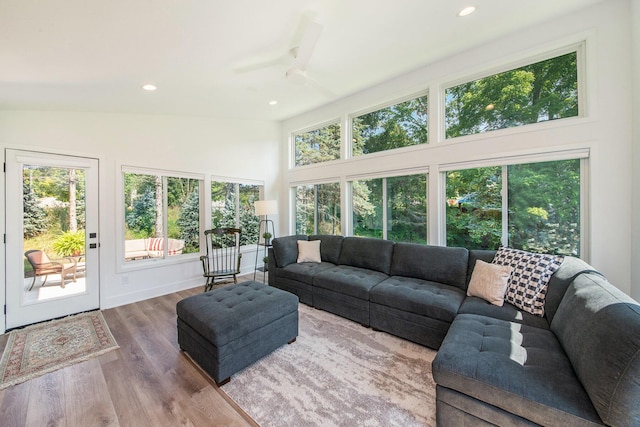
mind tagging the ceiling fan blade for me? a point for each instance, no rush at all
(273, 61)
(325, 91)
(307, 44)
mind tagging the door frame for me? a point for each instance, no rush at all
(90, 299)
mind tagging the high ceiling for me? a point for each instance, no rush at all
(205, 56)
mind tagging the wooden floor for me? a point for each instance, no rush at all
(148, 381)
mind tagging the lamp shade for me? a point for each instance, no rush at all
(266, 207)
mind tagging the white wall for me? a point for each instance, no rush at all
(605, 131)
(635, 196)
(222, 147)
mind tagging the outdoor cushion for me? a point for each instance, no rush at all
(431, 299)
(433, 263)
(518, 368)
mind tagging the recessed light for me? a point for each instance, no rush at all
(274, 102)
(467, 11)
(149, 87)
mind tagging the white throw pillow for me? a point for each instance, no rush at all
(309, 251)
(489, 282)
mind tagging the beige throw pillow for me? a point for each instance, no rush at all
(489, 282)
(309, 251)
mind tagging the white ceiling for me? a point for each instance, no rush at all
(94, 55)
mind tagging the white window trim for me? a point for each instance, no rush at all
(317, 126)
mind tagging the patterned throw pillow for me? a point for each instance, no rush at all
(527, 287)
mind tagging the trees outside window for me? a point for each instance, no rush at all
(318, 145)
(542, 205)
(232, 205)
(145, 206)
(318, 209)
(405, 200)
(545, 90)
(396, 126)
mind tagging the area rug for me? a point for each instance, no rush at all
(45, 347)
(338, 373)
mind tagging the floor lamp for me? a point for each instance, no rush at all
(265, 208)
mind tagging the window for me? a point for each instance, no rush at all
(542, 206)
(399, 125)
(318, 145)
(162, 215)
(318, 209)
(400, 202)
(232, 205)
(545, 90)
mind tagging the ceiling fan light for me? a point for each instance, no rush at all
(296, 76)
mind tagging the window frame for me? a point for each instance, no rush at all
(238, 182)
(317, 126)
(582, 154)
(293, 206)
(122, 265)
(579, 47)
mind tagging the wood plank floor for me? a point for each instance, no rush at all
(148, 381)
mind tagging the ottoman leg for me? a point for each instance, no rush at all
(223, 382)
(292, 341)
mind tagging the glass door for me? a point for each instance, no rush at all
(52, 236)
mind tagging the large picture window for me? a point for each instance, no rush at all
(542, 204)
(393, 208)
(318, 145)
(162, 215)
(400, 125)
(232, 205)
(318, 209)
(543, 91)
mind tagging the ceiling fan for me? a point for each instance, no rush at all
(296, 57)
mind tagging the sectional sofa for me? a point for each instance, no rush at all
(576, 363)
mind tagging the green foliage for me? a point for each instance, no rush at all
(317, 146)
(223, 198)
(141, 216)
(35, 218)
(546, 90)
(69, 243)
(399, 125)
(189, 222)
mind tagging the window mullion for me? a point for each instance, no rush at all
(385, 206)
(505, 206)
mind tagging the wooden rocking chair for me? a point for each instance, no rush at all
(222, 259)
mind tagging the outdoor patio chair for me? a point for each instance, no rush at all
(43, 266)
(222, 259)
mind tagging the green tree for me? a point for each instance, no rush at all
(317, 146)
(546, 90)
(35, 218)
(142, 216)
(189, 222)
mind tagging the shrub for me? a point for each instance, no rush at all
(69, 243)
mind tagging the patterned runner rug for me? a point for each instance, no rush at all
(45, 347)
(338, 373)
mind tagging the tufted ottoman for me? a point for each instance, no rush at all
(228, 329)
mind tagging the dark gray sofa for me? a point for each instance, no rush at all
(577, 365)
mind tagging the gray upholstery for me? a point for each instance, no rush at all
(431, 299)
(413, 327)
(226, 329)
(433, 263)
(348, 280)
(302, 272)
(520, 369)
(599, 327)
(477, 254)
(286, 249)
(508, 312)
(371, 254)
(330, 247)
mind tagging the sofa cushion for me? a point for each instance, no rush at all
(302, 272)
(476, 254)
(489, 282)
(367, 253)
(285, 249)
(330, 247)
(599, 328)
(518, 368)
(309, 251)
(531, 273)
(348, 280)
(508, 312)
(432, 263)
(422, 297)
